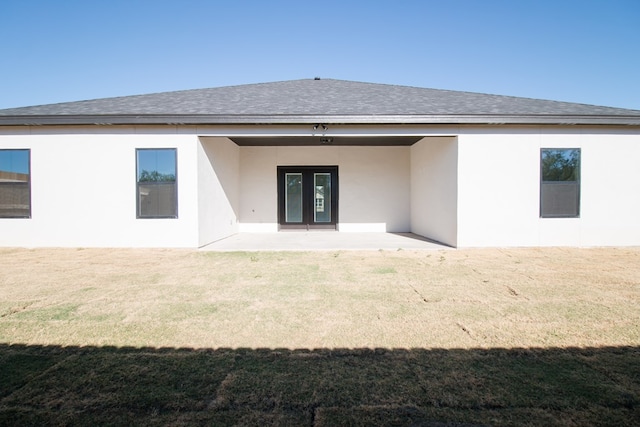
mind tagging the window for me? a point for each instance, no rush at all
(15, 184)
(156, 183)
(560, 183)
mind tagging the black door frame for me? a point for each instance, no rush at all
(308, 198)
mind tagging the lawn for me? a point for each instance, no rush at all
(179, 337)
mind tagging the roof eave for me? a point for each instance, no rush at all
(206, 119)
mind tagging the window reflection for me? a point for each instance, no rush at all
(156, 189)
(15, 186)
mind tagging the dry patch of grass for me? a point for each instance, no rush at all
(504, 337)
(441, 299)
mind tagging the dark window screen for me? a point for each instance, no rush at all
(560, 183)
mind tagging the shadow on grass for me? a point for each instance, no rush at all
(49, 385)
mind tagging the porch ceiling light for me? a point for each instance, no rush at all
(326, 140)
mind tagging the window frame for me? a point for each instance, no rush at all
(28, 182)
(139, 214)
(577, 183)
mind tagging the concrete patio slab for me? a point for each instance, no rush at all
(322, 241)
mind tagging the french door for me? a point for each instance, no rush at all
(308, 197)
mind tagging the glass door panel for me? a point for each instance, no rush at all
(307, 197)
(322, 197)
(293, 197)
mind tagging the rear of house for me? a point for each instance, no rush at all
(184, 169)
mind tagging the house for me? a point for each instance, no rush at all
(183, 169)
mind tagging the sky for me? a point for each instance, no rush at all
(16, 161)
(585, 51)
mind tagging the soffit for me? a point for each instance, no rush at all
(325, 140)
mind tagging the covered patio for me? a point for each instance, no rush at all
(323, 241)
(359, 183)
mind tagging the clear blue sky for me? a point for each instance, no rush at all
(571, 50)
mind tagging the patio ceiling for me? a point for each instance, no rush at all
(325, 140)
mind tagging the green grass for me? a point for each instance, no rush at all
(385, 270)
(49, 313)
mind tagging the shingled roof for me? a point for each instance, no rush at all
(318, 100)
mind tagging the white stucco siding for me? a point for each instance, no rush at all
(258, 192)
(434, 189)
(467, 187)
(610, 189)
(374, 187)
(218, 189)
(499, 188)
(83, 192)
